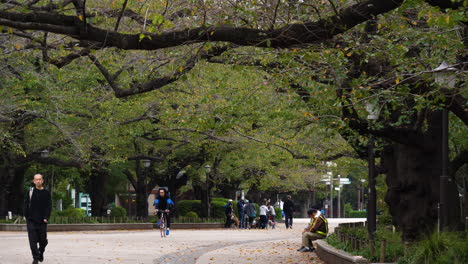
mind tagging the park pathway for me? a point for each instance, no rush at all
(146, 247)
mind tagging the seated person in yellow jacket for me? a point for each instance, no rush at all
(317, 229)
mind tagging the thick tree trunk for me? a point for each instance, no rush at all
(97, 192)
(413, 190)
(142, 202)
(141, 194)
(11, 190)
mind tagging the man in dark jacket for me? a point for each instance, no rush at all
(228, 211)
(240, 211)
(288, 209)
(36, 209)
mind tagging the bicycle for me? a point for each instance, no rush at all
(162, 223)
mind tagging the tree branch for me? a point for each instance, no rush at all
(286, 36)
(293, 153)
(157, 83)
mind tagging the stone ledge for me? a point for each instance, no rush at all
(332, 255)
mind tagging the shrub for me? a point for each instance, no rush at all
(278, 212)
(118, 212)
(218, 199)
(70, 212)
(385, 219)
(348, 208)
(440, 248)
(357, 214)
(192, 215)
(185, 206)
(217, 209)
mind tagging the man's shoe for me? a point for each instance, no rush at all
(167, 232)
(304, 250)
(301, 248)
(35, 261)
(41, 257)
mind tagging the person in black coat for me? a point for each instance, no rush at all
(288, 209)
(240, 211)
(37, 208)
(228, 211)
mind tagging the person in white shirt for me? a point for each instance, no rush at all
(263, 216)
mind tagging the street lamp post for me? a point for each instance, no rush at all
(208, 170)
(146, 165)
(339, 196)
(362, 194)
(444, 76)
(372, 195)
(331, 193)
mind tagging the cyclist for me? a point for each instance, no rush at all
(164, 204)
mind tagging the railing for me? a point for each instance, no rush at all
(356, 242)
(117, 220)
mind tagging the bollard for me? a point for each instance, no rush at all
(383, 245)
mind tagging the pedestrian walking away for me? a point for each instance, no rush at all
(288, 209)
(164, 205)
(228, 212)
(250, 212)
(317, 229)
(240, 212)
(36, 209)
(263, 216)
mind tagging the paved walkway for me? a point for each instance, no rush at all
(181, 247)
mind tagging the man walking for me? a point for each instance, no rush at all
(288, 209)
(37, 208)
(240, 212)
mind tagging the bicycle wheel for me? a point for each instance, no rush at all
(162, 226)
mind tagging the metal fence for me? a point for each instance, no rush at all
(117, 220)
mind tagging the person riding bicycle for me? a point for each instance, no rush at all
(164, 204)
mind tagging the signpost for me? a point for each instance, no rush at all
(341, 181)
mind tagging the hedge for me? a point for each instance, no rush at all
(118, 212)
(357, 214)
(69, 212)
(185, 206)
(217, 207)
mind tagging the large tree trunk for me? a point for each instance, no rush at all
(413, 180)
(97, 192)
(141, 202)
(141, 194)
(11, 190)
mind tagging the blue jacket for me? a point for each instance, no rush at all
(163, 204)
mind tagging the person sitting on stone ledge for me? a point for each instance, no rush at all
(317, 229)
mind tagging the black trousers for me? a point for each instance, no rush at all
(288, 219)
(263, 221)
(228, 221)
(37, 233)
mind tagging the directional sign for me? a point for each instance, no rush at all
(337, 188)
(344, 179)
